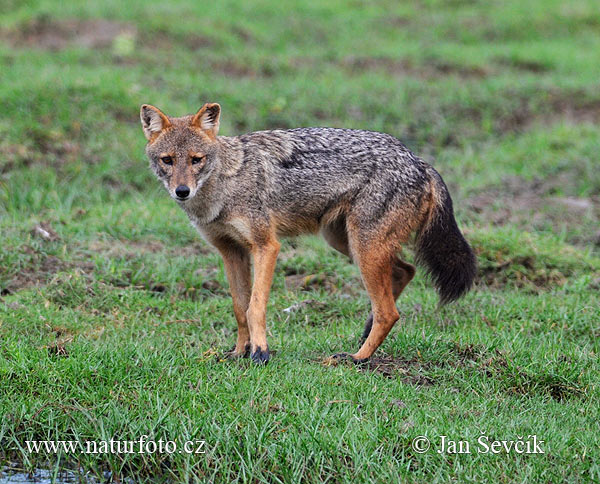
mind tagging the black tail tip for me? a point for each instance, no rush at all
(446, 255)
(455, 283)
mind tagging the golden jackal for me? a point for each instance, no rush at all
(364, 191)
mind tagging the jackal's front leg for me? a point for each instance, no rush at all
(265, 257)
(236, 260)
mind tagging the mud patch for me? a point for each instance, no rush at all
(233, 68)
(133, 249)
(49, 149)
(476, 359)
(30, 265)
(164, 40)
(555, 107)
(46, 33)
(38, 271)
(412, 372)
(499, 269)
(404, 67)
(516, 379)
(534, 205)
(320, 281)
(523, 65)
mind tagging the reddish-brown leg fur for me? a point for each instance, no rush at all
(265, 258)
(236, 260)
(376, 269)
(400, 275)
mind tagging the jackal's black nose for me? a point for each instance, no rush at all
(182, 191)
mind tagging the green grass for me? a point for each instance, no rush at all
(115, 327)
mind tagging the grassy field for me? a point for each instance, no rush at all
(114, 314)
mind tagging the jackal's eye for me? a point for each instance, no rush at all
(197, 159)
(167, 160)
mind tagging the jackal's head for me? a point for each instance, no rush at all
(182, 151)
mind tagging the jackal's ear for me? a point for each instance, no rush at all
(208, 118)
(153, 120)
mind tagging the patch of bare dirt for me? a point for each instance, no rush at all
(318, 281)
(132, 249)
(521, 271)
(50, 34)
(559, 106)
(238, 69)
(523, 65)
(403, 67)
(164, 40)
(37, 267)
(531, 205)
(409, 371)
(490, 362)
(53, 149)
(39, 271)
(576, 107)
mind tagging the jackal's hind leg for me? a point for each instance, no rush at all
(336, 235)
(402, 274)
(383, 274)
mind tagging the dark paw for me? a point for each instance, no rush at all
(233, 355)
(344, 357)
(259, 356)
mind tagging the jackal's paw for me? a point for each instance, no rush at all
(236, 353)
(260, 356)
(343, 357)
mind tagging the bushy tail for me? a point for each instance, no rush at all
(442, 249)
